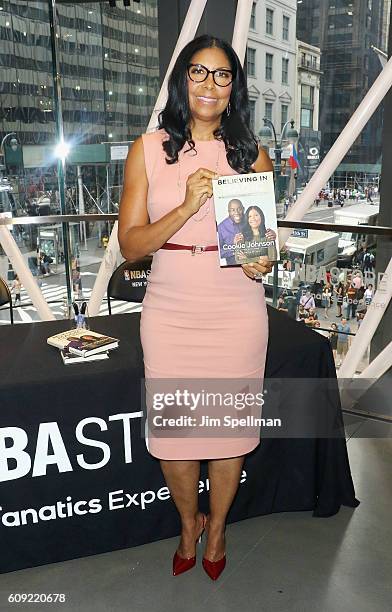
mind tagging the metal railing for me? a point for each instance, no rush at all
(313, 65)
(379, 230)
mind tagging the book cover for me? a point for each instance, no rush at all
(88, 344)
(245, 213)
(68, 357)
(63, 339)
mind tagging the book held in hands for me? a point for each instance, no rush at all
(245, 213)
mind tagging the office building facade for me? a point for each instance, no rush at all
(307, 109)
(345, 31)
(271, 62)
(109, 70)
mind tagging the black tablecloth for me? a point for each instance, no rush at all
(284, 474)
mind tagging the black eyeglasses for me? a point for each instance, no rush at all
(199, 73)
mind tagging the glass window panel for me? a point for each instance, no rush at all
(269, 58)
(284, 116)
(251, 61)
(252, 108)
(285, 71)
(268, 110)
(253, 17)
(286, 27)
(269, 21)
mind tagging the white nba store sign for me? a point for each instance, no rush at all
(16, 462)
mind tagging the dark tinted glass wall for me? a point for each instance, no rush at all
(346, 32)
(108, 63)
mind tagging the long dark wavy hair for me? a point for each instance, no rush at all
(248, 233)
(240, 142)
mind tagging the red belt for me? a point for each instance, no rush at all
(194, 248)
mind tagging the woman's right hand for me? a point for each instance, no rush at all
(198, 189)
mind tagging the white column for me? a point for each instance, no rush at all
(241, 27)
(109, 263)
(351, 391)
(379, 365)
(369, 325)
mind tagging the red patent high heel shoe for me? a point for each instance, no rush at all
(181, 564)
(214, 568)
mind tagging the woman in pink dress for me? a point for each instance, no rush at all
(199, 321)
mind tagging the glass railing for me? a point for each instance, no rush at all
(41, 243)
(325, 278)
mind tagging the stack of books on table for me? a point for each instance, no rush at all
(82, 345)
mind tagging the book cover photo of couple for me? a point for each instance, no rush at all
(245, 232)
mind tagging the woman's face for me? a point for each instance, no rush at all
(207, 101)
(254, 219)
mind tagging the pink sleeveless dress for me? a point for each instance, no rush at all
(199, 321)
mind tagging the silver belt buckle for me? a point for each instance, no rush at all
(197, 249)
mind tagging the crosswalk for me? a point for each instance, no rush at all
(56, 296)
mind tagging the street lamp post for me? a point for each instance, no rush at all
(13, 144)
(265, 139)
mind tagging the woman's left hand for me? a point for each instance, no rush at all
(258, 269)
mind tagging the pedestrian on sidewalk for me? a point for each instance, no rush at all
(46, 260)
(322, 332)
(368, 261)
(333, 338)
(368, 295)
(307, 300)
(302, 313)
(16, 287)
(339, 298)
(351, 301)
(360, 317)
(77, 282)
(343, 340)
(312, 318)
(327, 299)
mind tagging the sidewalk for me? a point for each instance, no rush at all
(347, 203)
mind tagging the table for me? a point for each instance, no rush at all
(76, 478)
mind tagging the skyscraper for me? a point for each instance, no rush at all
(108, 64)
(345, 32)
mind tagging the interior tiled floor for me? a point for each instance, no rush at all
(279, 562)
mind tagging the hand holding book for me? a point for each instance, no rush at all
(245, 213)
(256, 270)
(198, 190)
